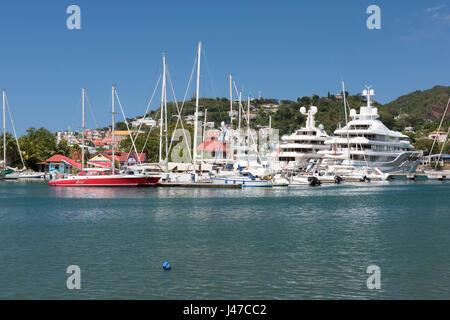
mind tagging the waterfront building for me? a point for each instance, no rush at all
(216, 147)
(104, 159)
(59, 164)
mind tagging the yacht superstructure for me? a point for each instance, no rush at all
(304, 144)
(366, 142)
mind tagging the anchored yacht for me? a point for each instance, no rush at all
(304, 144)
(366, 142)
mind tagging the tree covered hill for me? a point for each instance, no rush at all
(419, 109)
(428, 104)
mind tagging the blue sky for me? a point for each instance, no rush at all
(285, 49)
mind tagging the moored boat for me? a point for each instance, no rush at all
(90, 177)
(302, 180)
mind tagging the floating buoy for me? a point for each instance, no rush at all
(166, 266)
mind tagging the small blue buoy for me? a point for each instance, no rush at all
(166, 266)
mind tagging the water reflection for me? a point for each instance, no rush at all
(99, 193)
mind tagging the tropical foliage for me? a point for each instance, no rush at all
(420, 110)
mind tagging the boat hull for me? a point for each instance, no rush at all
(405, 162)
(243, 182)
(118, 181)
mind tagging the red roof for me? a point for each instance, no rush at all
(123, 156)
(109, 156)
(140, 157)
(116, 152)
(212, 145)
(101, 164)
(61, 158)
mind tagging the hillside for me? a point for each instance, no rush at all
(421, 110)
(427, 104)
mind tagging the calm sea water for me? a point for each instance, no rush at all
(302, 243)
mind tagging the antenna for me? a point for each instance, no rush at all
(368, 93)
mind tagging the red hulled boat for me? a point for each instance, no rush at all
(104, 178)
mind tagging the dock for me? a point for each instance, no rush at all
(198, 185)
(410, 176)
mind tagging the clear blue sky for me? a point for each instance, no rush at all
(285, 49)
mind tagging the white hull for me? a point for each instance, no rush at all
(438, 175)
(36, 175)
(405, 162)
(242, 181)
(280, 182)
(303, 181)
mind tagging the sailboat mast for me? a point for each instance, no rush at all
(113, 166)
(165, 120)
(83, 92)
(239, 127)
(204, 132)
(346, 123)
(248, 132)
(161, 109)
(196, 103)
(231, 100)
(4, 131)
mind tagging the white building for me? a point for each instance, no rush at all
(145, 122)
(440, 136)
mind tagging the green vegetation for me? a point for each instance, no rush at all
(148, 141)
(420, 110)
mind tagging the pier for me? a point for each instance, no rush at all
(410, 176)
(199, 185)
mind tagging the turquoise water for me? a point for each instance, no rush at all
(302, 243)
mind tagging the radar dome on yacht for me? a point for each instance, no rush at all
(303, 110)
(313, 109)
(321, 127)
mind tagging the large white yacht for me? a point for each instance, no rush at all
(303, 145)
(371, 143)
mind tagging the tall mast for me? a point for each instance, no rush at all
(239, 127)
(204, 132)
(4, 131)
(439, 128)
(165, 116)
(83, 92)
(231, 101)
(196, 103)
(346, 123)
(113, 166)
(161, 109)
(248, 131)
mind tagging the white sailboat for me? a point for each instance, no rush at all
(238, 175)
(10, 173)
(441, 174)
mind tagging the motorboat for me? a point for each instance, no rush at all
(98, 177)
